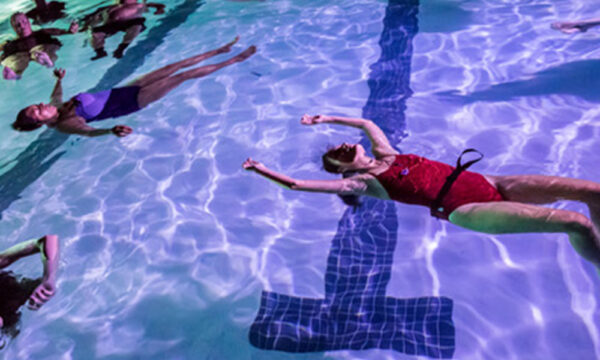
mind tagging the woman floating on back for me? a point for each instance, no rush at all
(73, 116)
(489, 204)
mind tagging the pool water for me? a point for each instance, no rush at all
(167, 243)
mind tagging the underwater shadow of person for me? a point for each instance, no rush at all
(578, 78)
(31, 163)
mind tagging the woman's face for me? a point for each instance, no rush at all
(21, 25)
(41, 112)
(347, 156)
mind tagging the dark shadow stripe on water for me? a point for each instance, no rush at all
(356, 314)
(36, 159)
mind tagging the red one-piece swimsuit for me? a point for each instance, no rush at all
(416, 180)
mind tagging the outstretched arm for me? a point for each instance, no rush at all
(19, 251)
(81, 128)
(159, 8)
(379, 142)
(73, 29)
(570, 27)
(342, 186)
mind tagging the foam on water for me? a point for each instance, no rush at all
(167, 242)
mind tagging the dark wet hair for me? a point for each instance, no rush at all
(350, 200)
(25, 122)
(15, 293)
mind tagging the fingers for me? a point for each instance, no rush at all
(40, 296)
(122, 130)
(249, 164)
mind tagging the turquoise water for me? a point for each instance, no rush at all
(167, 242)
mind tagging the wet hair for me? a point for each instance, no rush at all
(25, 122)
(350, 200)
(15, 293)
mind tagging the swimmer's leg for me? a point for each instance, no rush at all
(171, 69)
(508, 217)
(540, 189)
(158, 89)
(98, 39)
(130, 35)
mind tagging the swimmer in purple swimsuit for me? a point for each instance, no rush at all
(488, 204)
(73, 116)
(16, 291)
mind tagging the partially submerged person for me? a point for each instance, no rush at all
(488, 204)
(126, 16)
(73, 116)
(16, 291)
(572, 27)
(39, 46)
(45, 12)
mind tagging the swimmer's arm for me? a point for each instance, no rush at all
(82, 129)
(159, 8)
(21, 250)
(379, 142)
(57, 92)
(340, 186)
(49, 248)
(73, 29)
(95, 17)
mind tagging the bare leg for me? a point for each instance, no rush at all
(156, 90)
(539, 189)
(171, 69)
(508, 217)
(130, 35)
(98, 39)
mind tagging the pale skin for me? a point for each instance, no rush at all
(520, 213)
(573, 27)
(48, 247)
(153, 86)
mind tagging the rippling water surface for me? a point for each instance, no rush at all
(167, 243)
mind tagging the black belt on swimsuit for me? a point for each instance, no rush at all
(436, 209)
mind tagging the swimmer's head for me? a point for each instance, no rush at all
(34, 116)
(15, 293)
(20, 24)
(344, 158)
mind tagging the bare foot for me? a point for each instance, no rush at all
(246, 53)
(227, 47)
(569, 27)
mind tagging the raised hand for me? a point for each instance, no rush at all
(59, 73)
(122, 130)
(74, 27)
(250, 164)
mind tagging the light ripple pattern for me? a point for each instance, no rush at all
(167, 244)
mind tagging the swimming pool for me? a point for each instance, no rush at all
(168, 243)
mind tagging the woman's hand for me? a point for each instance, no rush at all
(250, 164)
(74, 27)
(121, 130)
(41, 295)
(314, 119)
(59, 73)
